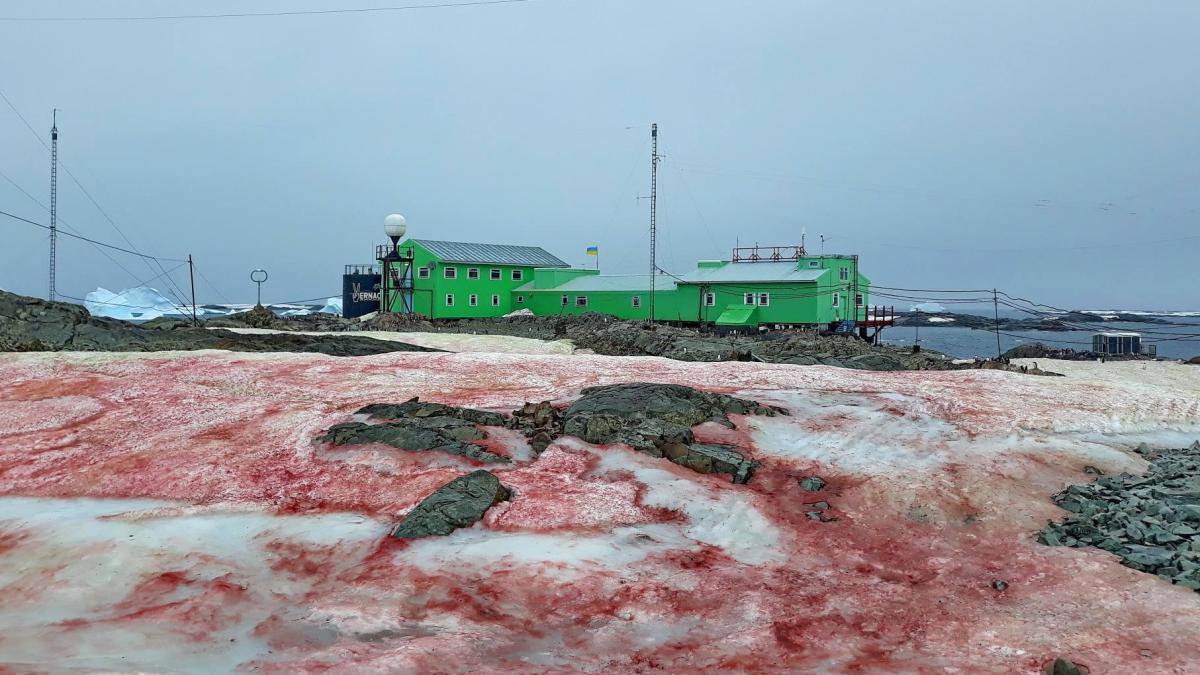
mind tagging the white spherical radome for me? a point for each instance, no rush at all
(395, 225)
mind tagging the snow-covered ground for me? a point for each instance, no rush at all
(451, 342)
(173, 512)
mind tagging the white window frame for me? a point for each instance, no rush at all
(837, 299)
(449, 299)
(764, 299)
(565, 299)
(710, 299)
(473, 273)
(859, 300)
(473, 300)
(845, 273)
(496, 274)
(495, 300)
(449, 272)
(635, 301)
(520, 299)
(518, 275)
(814, 263)
(581, 301)
(422, 272)
(749, 298)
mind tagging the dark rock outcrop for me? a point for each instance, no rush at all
(1152, 521)
(541, 423)
(417, 409)
(657, 419)
(459, 503)
(436, 433)
(30, 324)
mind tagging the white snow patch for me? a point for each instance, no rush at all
(941, 319)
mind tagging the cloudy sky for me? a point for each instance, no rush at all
(1048, 149)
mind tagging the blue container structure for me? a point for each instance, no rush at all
(360, 290)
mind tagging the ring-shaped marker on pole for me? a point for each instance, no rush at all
(259, 276)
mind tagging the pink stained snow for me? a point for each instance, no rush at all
(175, 512)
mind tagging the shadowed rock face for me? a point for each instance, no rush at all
(456, 504)
(657, 419)
(33, 325)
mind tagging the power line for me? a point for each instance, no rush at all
(91, 241)
(241, 15)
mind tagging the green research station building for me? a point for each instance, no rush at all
(757, 287)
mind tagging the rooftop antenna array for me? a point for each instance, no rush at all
(53, 202)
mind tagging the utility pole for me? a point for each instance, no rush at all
(654, 159)
(53, 202)
(996, 310)
(192, 277)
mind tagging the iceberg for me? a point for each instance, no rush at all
(927, 307)
(332, 306)
(132, 304)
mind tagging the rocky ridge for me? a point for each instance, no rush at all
(1152, 522)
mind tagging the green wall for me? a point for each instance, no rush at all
(429, 294)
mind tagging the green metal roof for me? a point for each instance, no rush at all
(490, 254)
(738, 316)
(754, 273)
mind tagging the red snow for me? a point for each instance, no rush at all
(631, 566)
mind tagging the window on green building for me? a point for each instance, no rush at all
(473, 273)
(517, 275)
(636, 300)
(495, 301)
(520, 299)
(565, 299)
(495, 274)
(748, 298)
(710, 299)
(858, 299)
(449, 299)
(814, 263)
(837, 299)
(473, 300)
(450, 273)
(764, 299)
(845, 272)
(581, 301)
(422, 272)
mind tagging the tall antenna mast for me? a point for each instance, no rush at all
(654, 159)
(53, 201)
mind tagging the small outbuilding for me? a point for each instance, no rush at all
(1117, 343)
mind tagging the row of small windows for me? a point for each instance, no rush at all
(495, 274)
(582, 300)
(473, 300)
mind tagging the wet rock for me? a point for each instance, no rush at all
(459, 503)
(438, 434)
(1061, 666)
(657, 419)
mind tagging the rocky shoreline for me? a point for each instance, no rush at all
(1058, 322)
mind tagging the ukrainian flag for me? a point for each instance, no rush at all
(593, 250)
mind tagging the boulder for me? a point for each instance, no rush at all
(459, 503)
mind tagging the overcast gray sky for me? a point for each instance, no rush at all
(951, 144)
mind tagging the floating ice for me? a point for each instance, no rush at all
(332, 306)
(132, 304)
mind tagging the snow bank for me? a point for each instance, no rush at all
(192, 523)
(927, 307)
(132, 304)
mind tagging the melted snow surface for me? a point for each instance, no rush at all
(173, 512)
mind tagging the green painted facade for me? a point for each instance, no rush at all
(814, 290)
